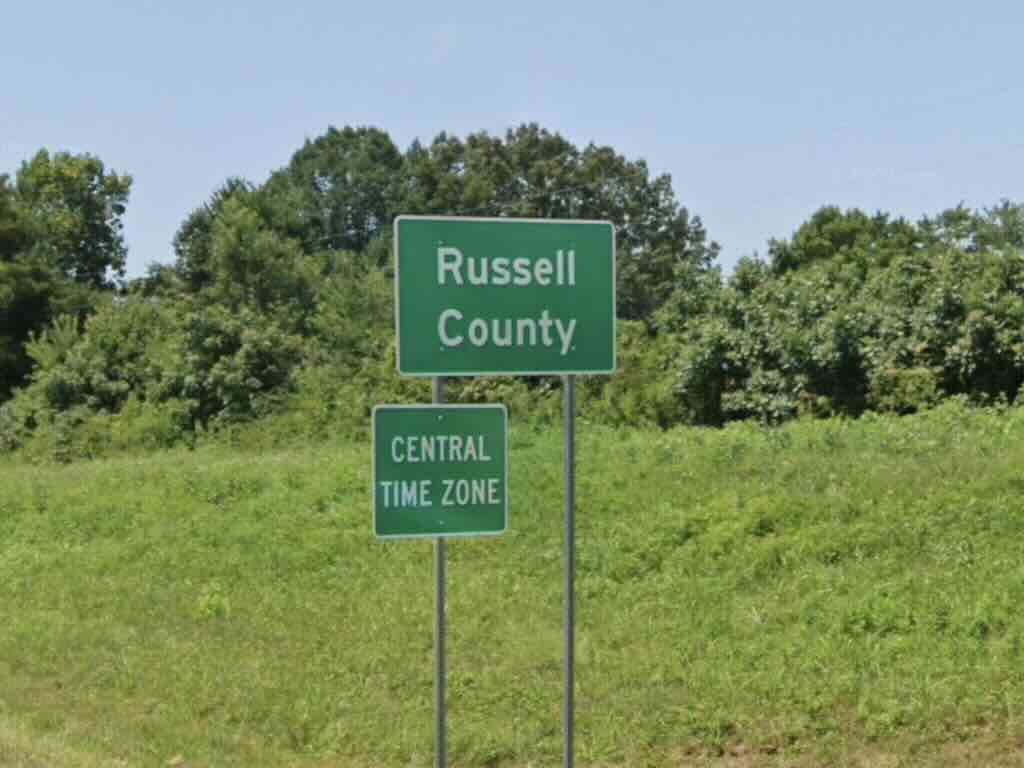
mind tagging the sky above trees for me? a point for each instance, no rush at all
(760, 113)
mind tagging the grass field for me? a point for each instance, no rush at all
(827, 593)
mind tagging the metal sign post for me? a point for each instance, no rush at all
(569, 416)
(440, 672)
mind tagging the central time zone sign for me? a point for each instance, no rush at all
(493, 296)
(440, 470)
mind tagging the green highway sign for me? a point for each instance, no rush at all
(504, 296)
(440, 470)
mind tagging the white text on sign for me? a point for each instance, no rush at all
(453, 330)
(415, 449)
(454, 493)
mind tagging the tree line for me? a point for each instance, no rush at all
(278, 306)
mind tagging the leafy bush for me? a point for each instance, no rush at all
(124, 349)
(233, 364)
(329, 405)
(143, 372)
(12, 428)
(535, 399)
(850, 319)
(904, 390)
(642, 392)
(355, 307)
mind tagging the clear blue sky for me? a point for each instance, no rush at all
(761, 112)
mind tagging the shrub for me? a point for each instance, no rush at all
(233, 364)
(904, 390)
(857, 313)
(643, 390)
(124, 349)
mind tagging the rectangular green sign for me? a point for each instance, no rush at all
(490, 296)
(440, 470)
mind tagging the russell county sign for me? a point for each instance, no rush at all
(504, 296)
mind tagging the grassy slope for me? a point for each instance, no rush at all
(809, 595)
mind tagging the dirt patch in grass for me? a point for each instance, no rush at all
(984, 751)
(23, 747)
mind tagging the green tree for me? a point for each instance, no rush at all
(233, 363)
(193, 240)
(27, 290)
(1000, 227)
(125, 349)
(344, 184)
(859, 312)
(14, 226)
(74, 206)
(230, 252)
(60, 242)
(342, 190)
(252, 265)
(355, 310)
(831, 232)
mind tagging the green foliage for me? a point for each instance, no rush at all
(123, 350)
(530, 400)
(252, 266)
(354, 308)
(60, 241)
(193, 241)
(229, 254)
(904, 390)
(12, 429)
(52, 346)
(280, 306)
(831, 232)
(642, 392)
(342, 191)
(858, 313)
(123, 353)
(14, 225)
(147, 368)
(347, 183)
(234, 363)
(26, 291)
(997, 228)
(73, 207)
(329, 400)
(80, 433)
(280, 302)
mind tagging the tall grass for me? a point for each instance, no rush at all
(804, 595)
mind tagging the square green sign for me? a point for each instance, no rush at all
(504, 296)
(440, 470)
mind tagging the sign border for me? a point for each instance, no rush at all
(373, 473)
(508, 220)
